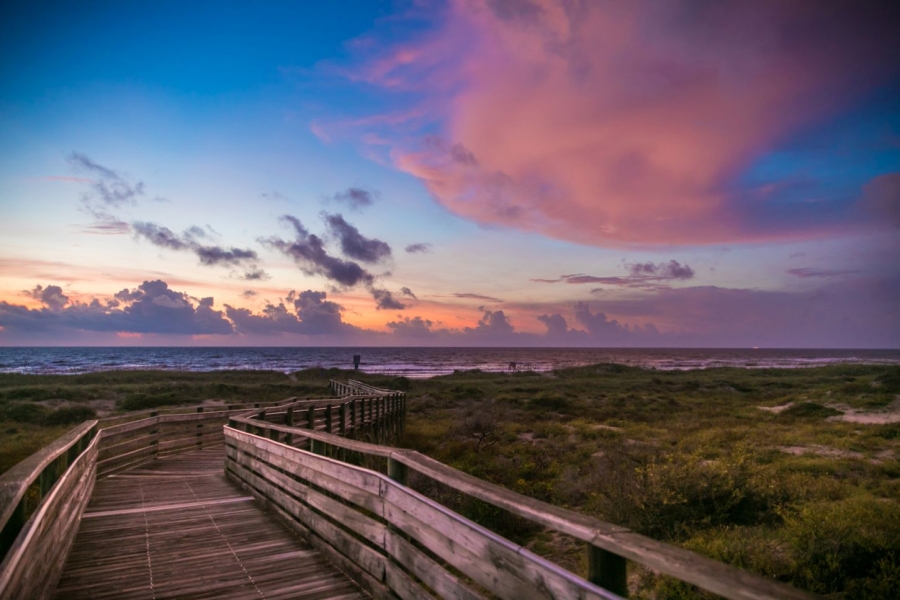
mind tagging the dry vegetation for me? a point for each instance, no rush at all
(757, 468)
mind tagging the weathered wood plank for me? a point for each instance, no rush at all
(350, 547)
(15, 482)
(211, 543)
(360, 486)
(434, 575)
(494, 562)
(33, 564)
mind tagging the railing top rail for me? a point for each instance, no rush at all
(16, 481)
(711, 575)
(181, 409)
(371, 389)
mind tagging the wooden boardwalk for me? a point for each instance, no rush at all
(177, 528)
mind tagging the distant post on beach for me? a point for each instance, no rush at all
(356, 362)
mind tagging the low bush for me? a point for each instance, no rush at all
(70, 414)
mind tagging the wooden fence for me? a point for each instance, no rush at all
(351, 499)
(41, 501)
(42, 498)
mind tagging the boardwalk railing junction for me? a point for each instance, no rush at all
(322, 467)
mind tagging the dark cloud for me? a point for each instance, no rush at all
(108, 227)
(308, 251)
(475, 297)
(109, 187)
(385, 300)
(412, 327)
(215, 255)
(556, 324)
(254, 274)
(356, 198)
(150, 308)
(159, 236)
(421, 247)
(209, 255)
(248, 293)
(807, 272)
(194, 232)
(312, 315)
(51, 296)
(354, 244)
(664, 270)
(609, 331)
(408, 292)
(641, 275)
(492, 323)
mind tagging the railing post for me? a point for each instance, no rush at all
(353, 414)
(199, 429)
(289, 421)
(154, 431)
(343, 417)
(607, 570)
(328, 419)
(311, 418)
(398, 471)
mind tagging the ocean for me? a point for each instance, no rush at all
(415, 362)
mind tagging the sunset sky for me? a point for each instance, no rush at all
(471, 172)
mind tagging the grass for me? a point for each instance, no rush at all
(687, 457)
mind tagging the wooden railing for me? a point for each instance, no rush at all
(177, 429)
(42, 498)
(41, 501)
(396, 540)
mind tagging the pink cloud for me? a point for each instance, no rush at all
(615, 123)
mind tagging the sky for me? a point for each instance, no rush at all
(450, 173)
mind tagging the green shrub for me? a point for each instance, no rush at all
(668, 496)
(856, 538)
(25, 412)
(809, 410)
(549, 401)
(70, 414)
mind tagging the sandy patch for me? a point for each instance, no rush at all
(607, 427)
(776, 409)
(889, 414)
(527, 437)
(103, 408)
(826, 451)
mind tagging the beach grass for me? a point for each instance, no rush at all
(791, 473)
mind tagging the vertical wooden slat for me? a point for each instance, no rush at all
(607, 570)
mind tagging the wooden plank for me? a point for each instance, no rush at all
(15, 482)
(361, 555)
(111, 450)
(499, 565)
(34, 562)
(112, 432)
(403, 585)
(216, 545)
(434, 575)
(360, 486)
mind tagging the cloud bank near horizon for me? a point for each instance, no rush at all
(698, 316)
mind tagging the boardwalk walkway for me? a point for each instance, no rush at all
(176, 527)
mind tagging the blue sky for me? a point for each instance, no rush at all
(530, 183)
